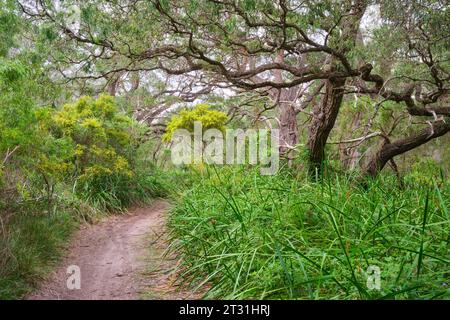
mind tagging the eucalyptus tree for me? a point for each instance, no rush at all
(288, 50)
(95, 46)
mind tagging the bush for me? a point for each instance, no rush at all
(201, 113)
(92, 145)
(96, 136)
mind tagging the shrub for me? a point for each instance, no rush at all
(90, 143)
(201, 113)
(98, 134)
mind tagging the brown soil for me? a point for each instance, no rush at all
(119, 258)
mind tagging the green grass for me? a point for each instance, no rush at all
(31, 246)
(285, 237)
(116, 192)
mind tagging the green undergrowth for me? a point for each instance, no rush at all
(31, 245)
(285, 237)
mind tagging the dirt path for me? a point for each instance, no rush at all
(119, 258)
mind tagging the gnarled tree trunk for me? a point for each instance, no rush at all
(389, 150)
(325, 114)
(324, 118)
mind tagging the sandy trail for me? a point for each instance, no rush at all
(119, 258)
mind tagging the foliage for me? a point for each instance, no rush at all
(259, 237)
(58, 166)
(31, 244)
(201, 113)
(84, 158)
(99, 137)
(248, 236)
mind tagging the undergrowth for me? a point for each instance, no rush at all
(285, 237)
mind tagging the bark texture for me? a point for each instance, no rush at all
(288, 120)
(349, 153)
(389, 150)
(325, 115)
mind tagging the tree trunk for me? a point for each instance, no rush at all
(389, 150)
(286, 98)
(325, 114)
(288, 127)
(349, 153)
(324, 118)
(288, 120)
(113, 83)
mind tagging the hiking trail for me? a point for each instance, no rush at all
(120, 257)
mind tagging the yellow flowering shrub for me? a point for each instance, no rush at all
(202, 113)
(99, 136)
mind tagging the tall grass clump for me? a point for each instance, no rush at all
(117, 192)
(285, 237)
(31, 238)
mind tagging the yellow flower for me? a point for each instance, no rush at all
(202, 113)
(91, 123)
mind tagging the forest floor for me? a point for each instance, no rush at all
(122, 257)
